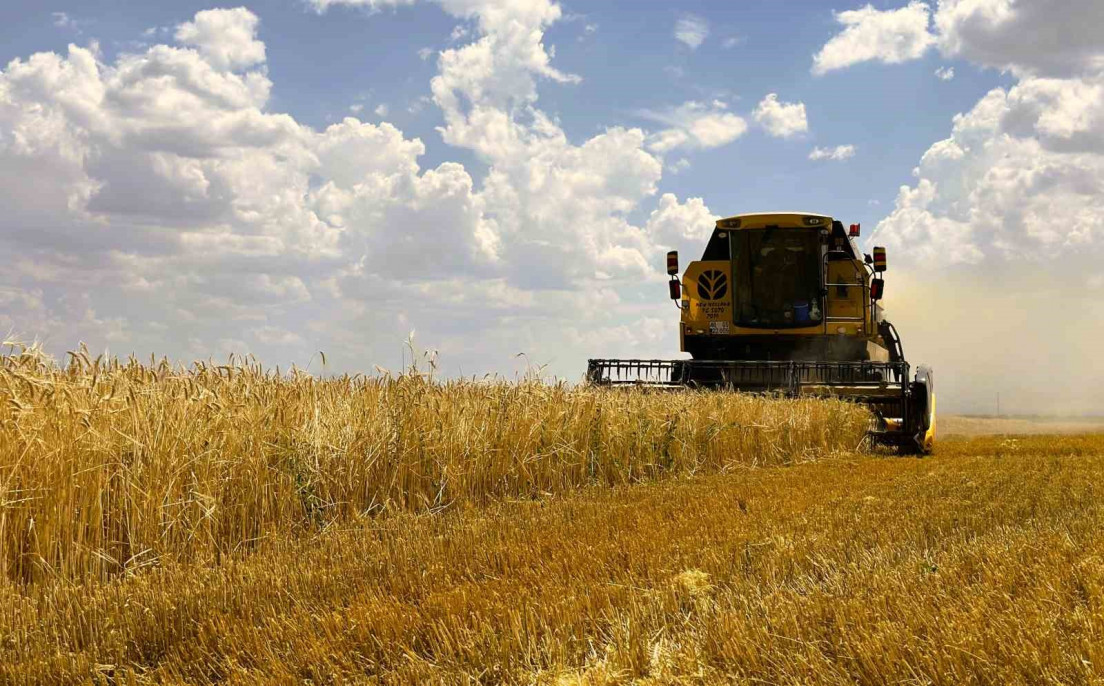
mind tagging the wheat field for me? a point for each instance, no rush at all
(224, 524)
(109, 466)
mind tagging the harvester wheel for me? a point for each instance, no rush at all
(913, 446)
(922, 414)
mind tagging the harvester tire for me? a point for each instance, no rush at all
(922, 411)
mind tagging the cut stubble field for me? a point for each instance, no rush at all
(590, 537)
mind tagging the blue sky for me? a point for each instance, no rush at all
(186, 182)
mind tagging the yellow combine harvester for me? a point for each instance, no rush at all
(785, 302)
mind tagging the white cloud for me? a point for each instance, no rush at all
(1020, 177)
(889, 36)
(781, 119)
(1022, 172)
(1029, 38)
(945, 73)
(731, 42)
(691, 30)
(838, 153)
(225, 37)
(274, 335)
(678, 166)
(694, 126)
(672, 223)
(63, 20)
(418, 104)
(356, 108)
(459, 33)
(172, 190)
(425, 53)
(175, 212)
(381, 110)
(1061, 40)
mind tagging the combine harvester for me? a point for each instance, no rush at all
(785, 303)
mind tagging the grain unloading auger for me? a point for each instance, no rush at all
(785, 303)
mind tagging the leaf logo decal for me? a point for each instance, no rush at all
(712, 285)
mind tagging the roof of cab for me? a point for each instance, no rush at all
(755, 220)
(778, 214)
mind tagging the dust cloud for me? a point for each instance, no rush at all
(1029, 332)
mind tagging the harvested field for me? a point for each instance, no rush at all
(983, 564)
(968, 425)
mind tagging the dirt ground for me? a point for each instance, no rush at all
(968, 425)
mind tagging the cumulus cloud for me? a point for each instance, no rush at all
(64, 20)
(1019, 178)
(1026, 38)
(678, 166)
(672, 222)
(838, 153)
(226, 38)
(1044, 38)
(889, 36)
(780, 119)
(691, 30)
(945, 73)
(155, 202)
(694, 126)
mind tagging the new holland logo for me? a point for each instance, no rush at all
(712, 285)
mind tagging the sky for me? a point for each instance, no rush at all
(498, 180)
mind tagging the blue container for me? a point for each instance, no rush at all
(801, 312)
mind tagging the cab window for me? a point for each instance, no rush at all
(717, 249)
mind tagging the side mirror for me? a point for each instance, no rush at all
(672, 263)
(676, 289)
(877, 289)
(879, 259)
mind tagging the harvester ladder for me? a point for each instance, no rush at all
(860, 282)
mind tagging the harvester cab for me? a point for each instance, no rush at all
(786, 303)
